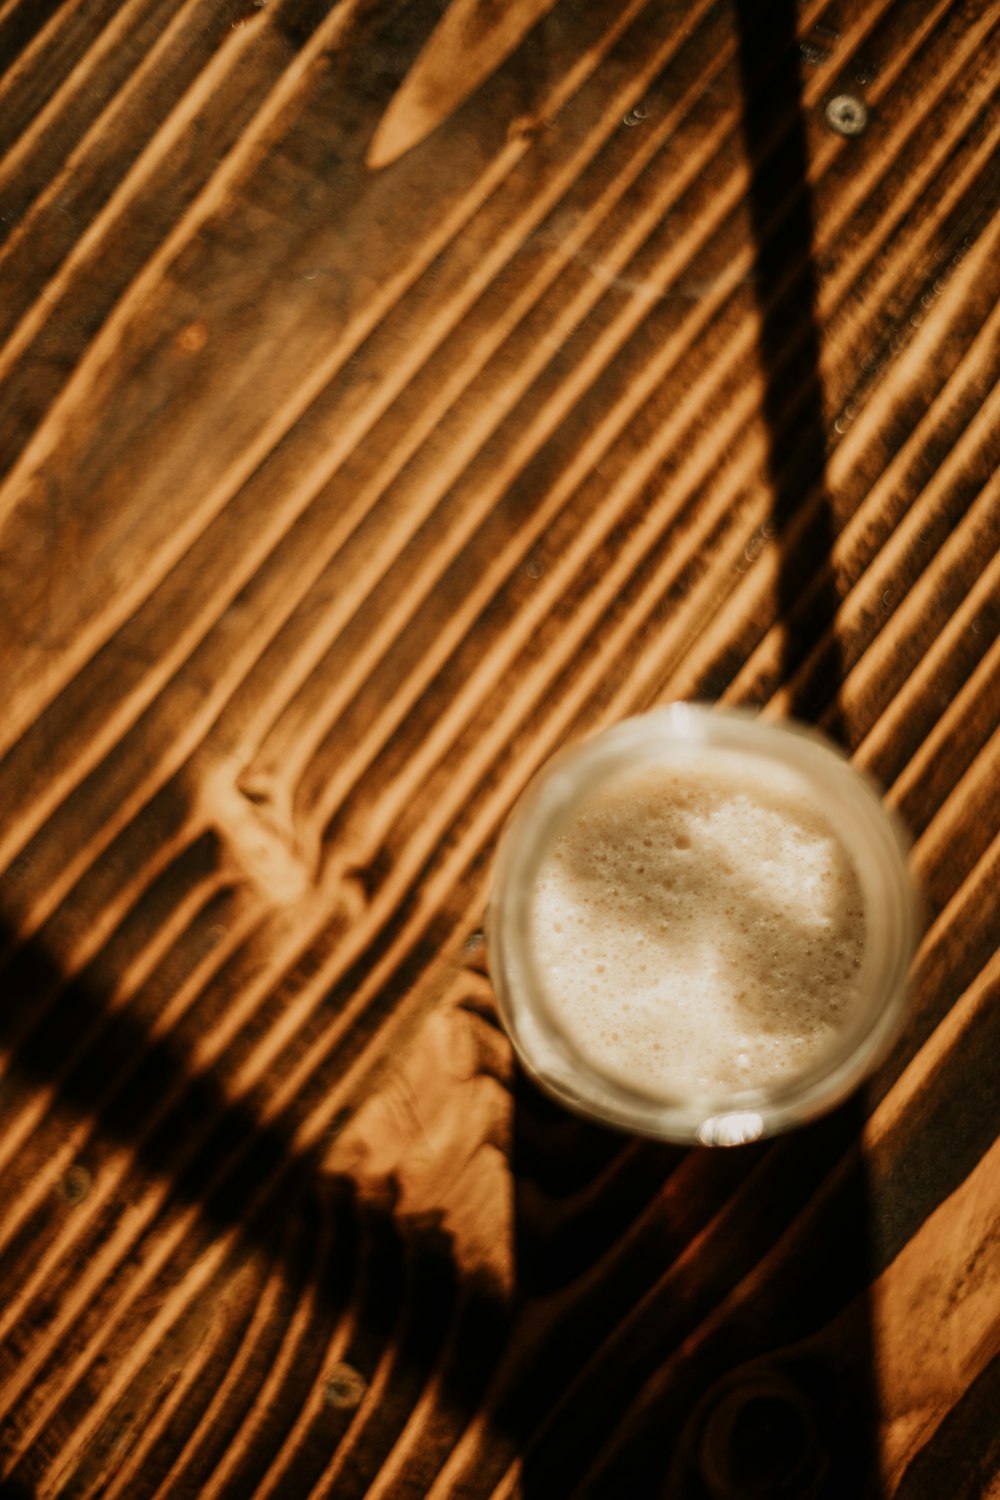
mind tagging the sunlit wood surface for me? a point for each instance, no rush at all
(393, 391)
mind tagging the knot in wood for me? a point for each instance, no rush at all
(344, 1387)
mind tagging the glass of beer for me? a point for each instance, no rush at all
(701, 926)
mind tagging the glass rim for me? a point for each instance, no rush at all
(671, 735)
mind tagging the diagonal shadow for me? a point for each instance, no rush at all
(393, 1284)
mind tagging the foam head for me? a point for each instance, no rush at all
(697, 933)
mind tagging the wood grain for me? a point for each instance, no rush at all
(391, 394)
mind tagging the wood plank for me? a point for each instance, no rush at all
(392, 394)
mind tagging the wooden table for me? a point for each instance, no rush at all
(392, 393)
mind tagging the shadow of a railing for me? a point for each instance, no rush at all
(774, 1394)
(579, 1192)
(781, 218)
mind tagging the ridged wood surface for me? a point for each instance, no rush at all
(392, 392)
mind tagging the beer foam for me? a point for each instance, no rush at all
(701, 932)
